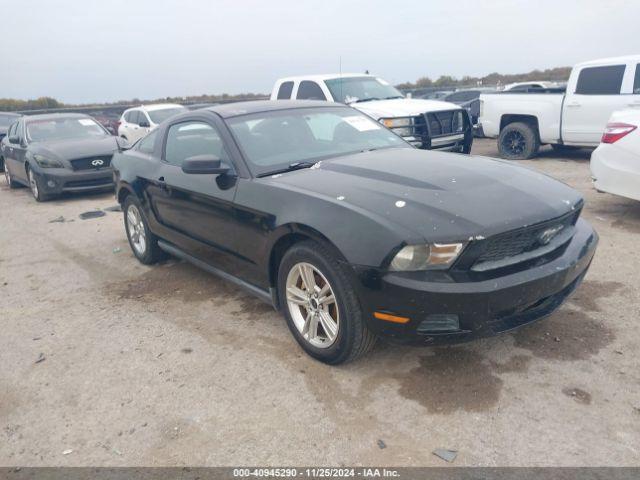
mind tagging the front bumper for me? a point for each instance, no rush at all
(482, 308)
(58, 180)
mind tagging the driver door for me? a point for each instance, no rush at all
(196, 206)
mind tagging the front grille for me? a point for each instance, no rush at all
(430, 129)
(91, 163)
(445, 123)
(95, 182)
(521, 241)
(521, 245)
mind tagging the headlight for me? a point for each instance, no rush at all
(426, 257)
(45, 162)
(400, 126)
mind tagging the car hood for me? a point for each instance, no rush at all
(76, 148)
(443, 197)
(402, 107)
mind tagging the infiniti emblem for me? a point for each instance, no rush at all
(97, 162)
(546, 236)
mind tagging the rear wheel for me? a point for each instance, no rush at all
(7, 175)
(320, 306)
(518, 141)
(143, 243)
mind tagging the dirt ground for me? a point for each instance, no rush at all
(104, 361)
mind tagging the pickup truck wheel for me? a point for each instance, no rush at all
(518, 141)
(322, 311)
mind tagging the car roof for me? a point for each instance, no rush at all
(235, 109)
(55, 116)
(610, 60)
(324, 76)
(154, 106)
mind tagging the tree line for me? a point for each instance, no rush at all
(14, 105)
(558, 74)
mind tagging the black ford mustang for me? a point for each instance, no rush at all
(58, 153)
(349, 230)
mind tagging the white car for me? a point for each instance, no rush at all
(615, 164)
(428, 124)
(525, 86)
(523, 121)
(136, 122)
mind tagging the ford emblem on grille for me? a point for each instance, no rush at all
(546, 236)
(97, 162)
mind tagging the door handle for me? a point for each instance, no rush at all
(634, 104)
(573, 105)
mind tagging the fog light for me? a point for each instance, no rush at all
(439, 322)
(51, 184)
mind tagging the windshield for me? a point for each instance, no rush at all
(64, 128)
(358, 89)
(272, 141)
(6, 120)
(159, 116)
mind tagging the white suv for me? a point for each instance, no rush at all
(136, 122)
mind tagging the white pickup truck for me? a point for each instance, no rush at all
(428, 124)
(575, 118)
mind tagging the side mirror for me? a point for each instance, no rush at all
(144, 124)
(14, 139)
(204, 164)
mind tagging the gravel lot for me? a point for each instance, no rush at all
(170, 366)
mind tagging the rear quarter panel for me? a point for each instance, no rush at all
(545, 107)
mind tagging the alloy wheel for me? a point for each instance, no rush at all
(514, 142)
(312, 305)
(135, 226)
(33, 184)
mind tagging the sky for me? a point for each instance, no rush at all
(81, 51)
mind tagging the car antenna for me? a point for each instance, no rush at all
(340, 70)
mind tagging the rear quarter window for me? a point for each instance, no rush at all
(605, 80)
(310, 91)
(636, 81)
(284, 92)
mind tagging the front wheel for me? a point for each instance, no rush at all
(36, 186)
(7, 175)
(518, 141)
(320, 306)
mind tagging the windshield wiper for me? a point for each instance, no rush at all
(290, 168)
(360, 100)
(393, 97)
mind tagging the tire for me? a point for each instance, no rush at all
(143, 243)
(1, 164)
(9, 178)
(35, 185)
(518, 141)
(351, 338)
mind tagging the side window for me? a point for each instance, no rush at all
(189, 139)
(146, 144)
(284, 92)
(310, 91)
(143, 118)
(636, 81)
(600, 80)
(12, 130)
(128, 117)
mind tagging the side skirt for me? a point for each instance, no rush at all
(263, 295)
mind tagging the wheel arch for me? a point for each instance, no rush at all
(530, 120)
(287, 236)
